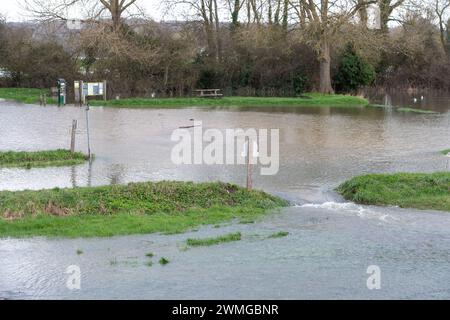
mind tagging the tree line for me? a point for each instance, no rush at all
(245, 47)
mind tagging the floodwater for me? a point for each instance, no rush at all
(331, 242)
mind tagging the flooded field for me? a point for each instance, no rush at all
(330, 244)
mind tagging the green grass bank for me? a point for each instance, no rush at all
(406, 190)
(136, 208)
(23, 159)
(25, 95)
(29, 95)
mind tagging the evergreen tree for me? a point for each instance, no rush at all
(353, 71)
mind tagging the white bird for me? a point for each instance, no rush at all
(415, 100)
(422, 97)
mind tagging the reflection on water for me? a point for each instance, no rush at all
(330, 245)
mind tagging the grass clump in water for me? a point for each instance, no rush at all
(406, 190)
(136, 208)
(280, 234)
(24, 159)
(163, 261)
(214, 241)
(445, 152)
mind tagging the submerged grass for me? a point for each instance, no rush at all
(310, 99)
(214, 241)
(25, 95)
(280, 234)
(136, 208)
(413, 110)
(25, 159)
(406, 190)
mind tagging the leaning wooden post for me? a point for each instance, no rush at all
(87, 131)
(249, 164)
(73, 135)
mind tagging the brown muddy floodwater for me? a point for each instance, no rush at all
(331, 242)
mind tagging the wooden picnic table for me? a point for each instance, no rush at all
(209, 93)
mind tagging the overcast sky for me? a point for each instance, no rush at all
(13, 11)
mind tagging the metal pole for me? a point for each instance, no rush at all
(87, 130)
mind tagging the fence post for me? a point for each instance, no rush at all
(73, 135)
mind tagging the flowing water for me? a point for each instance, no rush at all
(331, 242)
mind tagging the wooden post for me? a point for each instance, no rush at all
(249, 164)
(45, 99)
(104, 90)
(41, 100)
(73, 135)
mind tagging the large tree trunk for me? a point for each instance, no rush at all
(115, 10)
(235, 14)
(325, 67)
(362, 13)
(285, 15)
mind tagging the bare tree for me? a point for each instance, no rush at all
(387, 7)
(93, 9)
(208, 12)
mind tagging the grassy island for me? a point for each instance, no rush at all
(23, 159)
(136, 208)
(406, 190)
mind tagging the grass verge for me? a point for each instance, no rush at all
(25, 95)
(406, 190)
(136, 208)
(311, 99)
(23, 159)
(214, 241)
